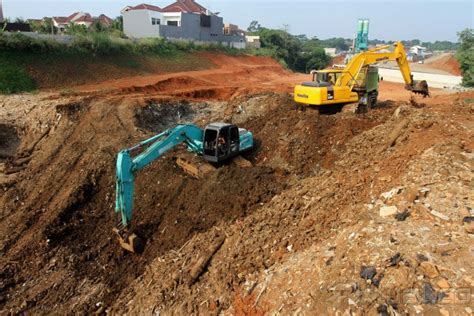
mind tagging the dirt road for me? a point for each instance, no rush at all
(294, 230)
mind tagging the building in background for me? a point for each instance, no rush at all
(418, 50)
(253, 41)
(79, 18)
(331, 51)
(232, 29)
(181, 20)
(105, 20)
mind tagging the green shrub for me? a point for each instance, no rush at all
(465, 56)
(14, 79)
(104, 44)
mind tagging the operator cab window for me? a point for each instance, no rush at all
(223, 142)
(210, 142)
(234, 139)
(331, 78)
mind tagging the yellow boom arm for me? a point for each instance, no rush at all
(375, 56)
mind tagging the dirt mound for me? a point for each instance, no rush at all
(338, 60)
(446, 62)
(167, 85)
(301, 142)
(66, 72)
(68, 227)
(157, 117)
(235, 76)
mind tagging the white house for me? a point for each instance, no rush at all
(142, 20)
(79, 18)
(253, 41)
(183, 20)
(418, 50)
(330, 51)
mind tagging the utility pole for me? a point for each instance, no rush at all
(1, 12)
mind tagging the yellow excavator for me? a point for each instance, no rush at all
(358, 82)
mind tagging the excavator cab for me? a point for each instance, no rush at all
(323, 78)
(221, 142)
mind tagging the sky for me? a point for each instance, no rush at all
(389, 20)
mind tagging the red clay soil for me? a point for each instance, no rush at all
(233, 76)
(338, 60)
(56, 246)
(447, 63)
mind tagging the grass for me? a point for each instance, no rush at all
(23, 72)
(14, 78)
(27, 64)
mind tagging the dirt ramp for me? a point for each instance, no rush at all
(301, 142)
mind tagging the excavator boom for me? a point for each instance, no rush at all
(375, 56)
(191, 135)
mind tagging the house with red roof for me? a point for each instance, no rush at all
(80, 18)
(183, 20)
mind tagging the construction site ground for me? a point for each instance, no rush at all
(340, 213)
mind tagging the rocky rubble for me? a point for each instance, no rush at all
(338, 215)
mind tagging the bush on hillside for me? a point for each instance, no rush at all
(104, 44)
(14, 78)
(465, 56)
(295, 52)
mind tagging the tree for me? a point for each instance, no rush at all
(318, 60)
(254, 27)
(339, 43)
(44, 26)
(98, 27)
(118, 24)
(76, 29)
(465, 56)
(296, 52)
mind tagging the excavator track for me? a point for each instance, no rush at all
(196, 170)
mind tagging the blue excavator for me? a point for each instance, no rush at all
(218, 142)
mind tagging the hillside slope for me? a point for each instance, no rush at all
(288, 235)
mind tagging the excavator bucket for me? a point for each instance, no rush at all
(420, 87)
(129, 242)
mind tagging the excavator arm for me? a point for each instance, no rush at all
(375, 56)
(342, 91)
(152, 149)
